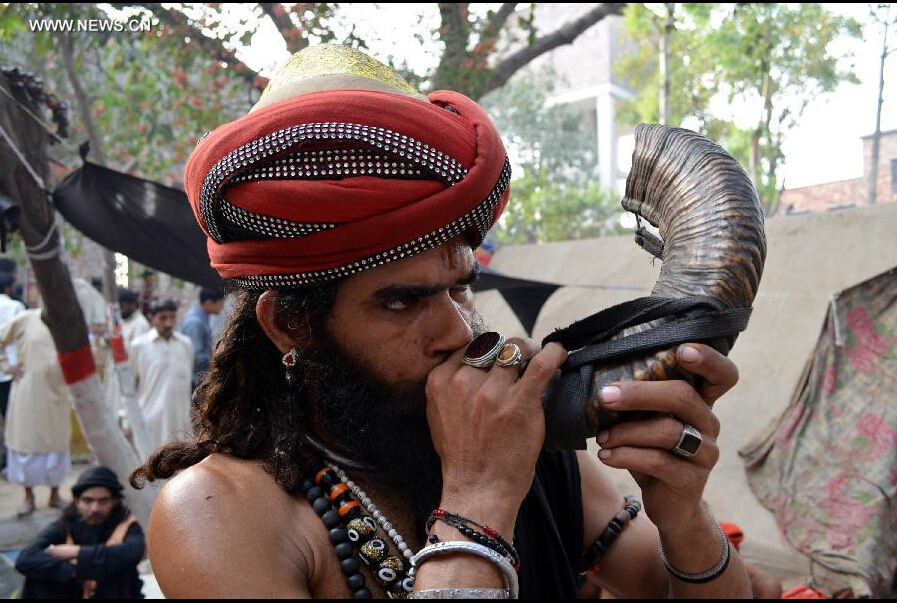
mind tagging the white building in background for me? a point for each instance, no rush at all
(585, 80)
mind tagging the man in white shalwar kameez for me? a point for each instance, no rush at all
(162, 363)
(38, 423)
(133, 325)
(9, 309)
(133, 322)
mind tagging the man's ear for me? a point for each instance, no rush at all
(281, 335)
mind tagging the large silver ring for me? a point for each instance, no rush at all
(482, 351)
(509, 356)
(689, 442)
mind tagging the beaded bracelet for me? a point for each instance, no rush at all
(592, 557)
(705, 576)
(489, 537)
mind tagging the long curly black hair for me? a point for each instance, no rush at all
(242, 407)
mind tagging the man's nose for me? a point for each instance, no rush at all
(451, 327)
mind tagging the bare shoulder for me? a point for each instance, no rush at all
(222, 529)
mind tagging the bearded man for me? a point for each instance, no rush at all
(92, 551)
(349, 425)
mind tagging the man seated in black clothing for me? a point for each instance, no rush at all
(92, 551)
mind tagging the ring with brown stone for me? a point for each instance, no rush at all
(482, 351)
(510, 356)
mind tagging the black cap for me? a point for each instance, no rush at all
(97, 477)
(127, 296)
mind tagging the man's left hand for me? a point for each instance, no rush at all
(64, 552)
(672, 486)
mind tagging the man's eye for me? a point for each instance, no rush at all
(460, 291)
(399, 304)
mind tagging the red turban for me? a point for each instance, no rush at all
(326, 184)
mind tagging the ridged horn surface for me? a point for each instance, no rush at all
(711, 226)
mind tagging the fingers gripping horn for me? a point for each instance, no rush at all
(713, 247)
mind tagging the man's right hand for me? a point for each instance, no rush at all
(17, 371)
(488, 426)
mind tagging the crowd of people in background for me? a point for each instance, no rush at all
(167, 358)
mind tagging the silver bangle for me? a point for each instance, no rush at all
(460, 593)
(705, 576)
(471, 548)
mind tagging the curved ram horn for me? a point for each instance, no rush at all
(713, 246)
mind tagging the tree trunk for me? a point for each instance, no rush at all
(665, 65)
(873, 171)
(761, 129)
(96, 146)
(61, 313)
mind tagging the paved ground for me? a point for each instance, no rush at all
(16, 532)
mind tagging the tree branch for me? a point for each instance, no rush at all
(177, 20)
(284, 25)
(564, 35)
(454, 33)
(497, 22)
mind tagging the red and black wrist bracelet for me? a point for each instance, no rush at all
(489, 538)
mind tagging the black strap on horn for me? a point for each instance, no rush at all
(697, 319)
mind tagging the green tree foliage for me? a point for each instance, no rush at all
(766, 60)
(481, 53)
(150, 95)
(555, 194)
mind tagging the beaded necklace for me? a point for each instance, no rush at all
(331, 493)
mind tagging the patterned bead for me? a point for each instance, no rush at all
(326, 478)
(339, 491)
(362, 529)
(390, 570)
(373, 551)
(350, 510)
(400, 589)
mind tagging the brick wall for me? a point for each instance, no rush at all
(831, 195)
(887, 152)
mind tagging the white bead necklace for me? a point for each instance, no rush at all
(371, 508)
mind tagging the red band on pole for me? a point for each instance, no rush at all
(78, 365)
(117, 345)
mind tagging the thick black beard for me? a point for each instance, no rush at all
(374, 423)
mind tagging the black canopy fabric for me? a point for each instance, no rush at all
(154, 225)
(526, 298)
(146, 221)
